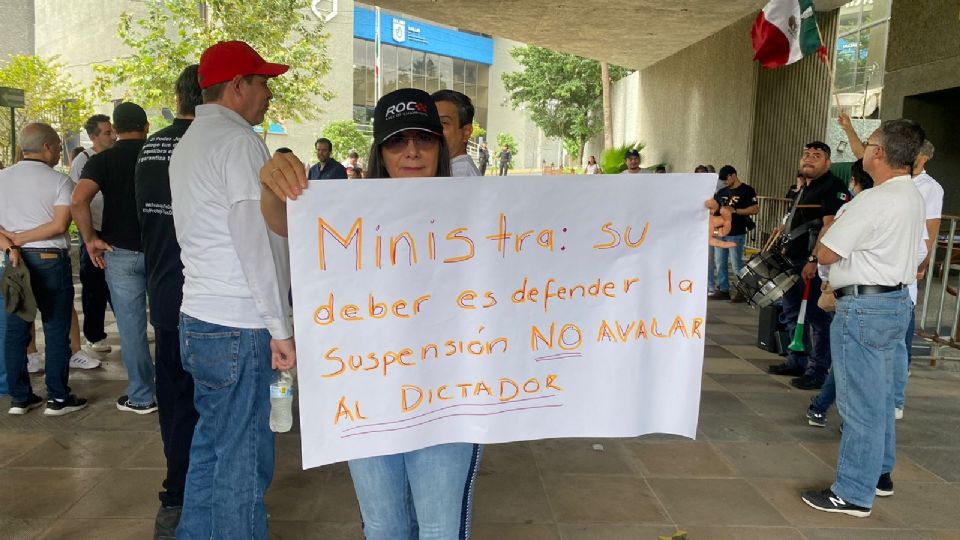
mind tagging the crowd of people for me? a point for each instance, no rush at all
(192, 220)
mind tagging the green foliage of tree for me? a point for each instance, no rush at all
(478, 131)
(346, 137)
(612, 159)
(561, 92)
(50, 96)
(174, 33)
(504, 139)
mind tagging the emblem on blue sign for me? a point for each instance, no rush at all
(399, 30)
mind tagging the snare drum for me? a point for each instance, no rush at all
(765, 279)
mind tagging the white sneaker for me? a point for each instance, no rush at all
(82, 360)
(97, 347)
(898, 413)
(34, 362)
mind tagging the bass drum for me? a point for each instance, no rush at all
(765, 279)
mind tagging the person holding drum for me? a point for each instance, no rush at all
(815, 207)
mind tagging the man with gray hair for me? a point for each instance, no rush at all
(34, 218)
(871, 250)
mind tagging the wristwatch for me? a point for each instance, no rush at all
(812, 259)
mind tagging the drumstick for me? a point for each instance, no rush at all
(797, 344)
(771, 240)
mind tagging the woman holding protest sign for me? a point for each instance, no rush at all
(425, 493)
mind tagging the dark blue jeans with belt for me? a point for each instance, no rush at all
(52, 285)
(816, 356)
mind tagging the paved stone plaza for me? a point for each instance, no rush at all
(95, 474)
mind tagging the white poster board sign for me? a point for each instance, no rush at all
(497, 309)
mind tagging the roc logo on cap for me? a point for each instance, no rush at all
(410, 106)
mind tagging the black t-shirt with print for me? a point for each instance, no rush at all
(112, 170)
(161, 252)
(743, 196)
(823, 197)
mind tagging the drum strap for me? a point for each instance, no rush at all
(806, 228)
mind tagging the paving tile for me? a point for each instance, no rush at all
(775, 460)
(741, 428)
(81, 449)
(724, 403)
(23, 529)
(925, 505)
(788, 405)
(860, 534)
(729, 366)
(743, 533)
(687, 459)
(514, 531)
(302, 530)
(101, 529)
(502, 497)
(512, 458)
(708, 384)
(578, 456)
(336, 500)
(43, 493)
(614, 531)
(760, 382)
(736, 337)
(14, 445)
(148, 456)
(784, 495)
(580, 498)
(922, 432)
(122, 493)
(293, 496)
(939, 534)
(716, 351)
(723, 328)
(940, 461)
(748, 350)
(711, 502)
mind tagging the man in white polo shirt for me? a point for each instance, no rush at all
(34, 218)
(871, 251)
(233, 319)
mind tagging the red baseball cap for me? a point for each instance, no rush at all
(227, 59)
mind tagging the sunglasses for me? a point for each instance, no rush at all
(422, 140)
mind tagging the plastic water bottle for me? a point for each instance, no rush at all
(281, 402)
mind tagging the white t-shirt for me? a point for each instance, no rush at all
(932, 194)
(463, 165)
(877, 235)
(96, 205)
(628, 171)
(29, 191)
(214, 168)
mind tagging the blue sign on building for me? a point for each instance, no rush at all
(422, 37)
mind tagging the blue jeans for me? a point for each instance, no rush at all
(902, 363)
(52, 285)
(867, 334)
(816, 339)
(127, 279)
(232, 453)
(722, 254)
(827, 396)
(425, 494)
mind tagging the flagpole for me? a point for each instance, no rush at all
(830, 73)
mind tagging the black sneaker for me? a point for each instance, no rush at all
(719, 295)
(60, 407)
(885, 485)
(23, 407)
(165, 526)
(784, 369)
(807, 382)
(816, 418)
(828, 501)
(123, 404)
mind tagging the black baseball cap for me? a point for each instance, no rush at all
(633, 152)
(129, 116)
(726, 171)
(407, 108)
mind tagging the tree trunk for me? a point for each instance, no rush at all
(607, 111)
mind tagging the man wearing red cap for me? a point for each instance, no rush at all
(234, 324)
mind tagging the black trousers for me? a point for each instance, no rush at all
(94, 296)
(177, 415)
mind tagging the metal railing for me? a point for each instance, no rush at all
(938, 308)
(772, 211)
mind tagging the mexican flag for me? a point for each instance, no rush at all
(786, 31)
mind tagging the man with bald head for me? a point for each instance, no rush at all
(34, 218)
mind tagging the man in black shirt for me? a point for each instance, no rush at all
(818, 203)
(742, 200)
(161, 253)
(117, 248)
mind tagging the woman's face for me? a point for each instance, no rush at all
(411, 153)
